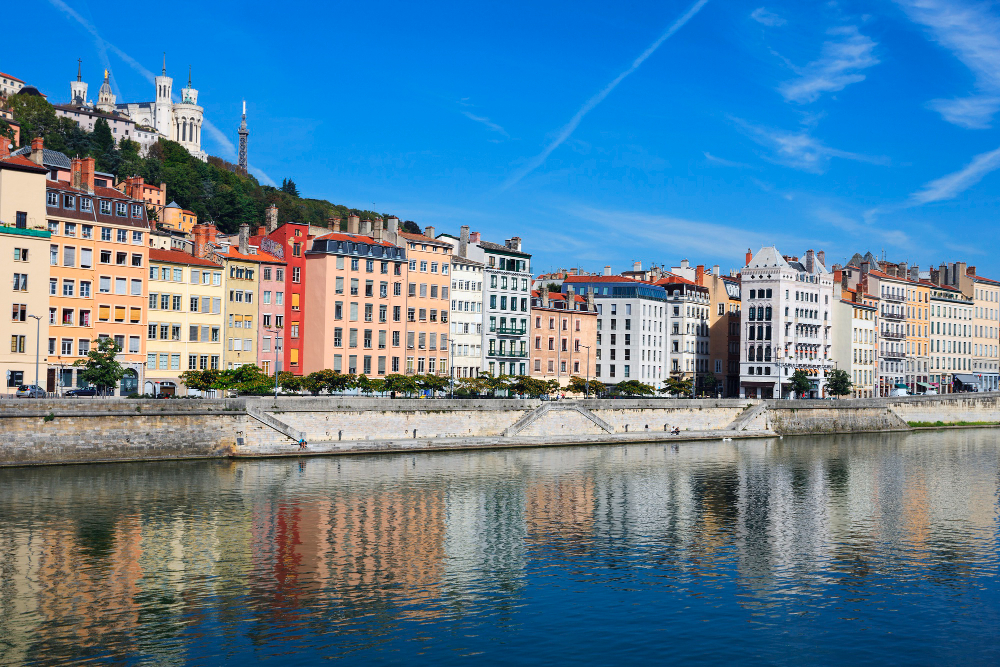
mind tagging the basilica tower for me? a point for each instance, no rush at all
(163, 104)
(78, 88)
(106, 98)
(187, 120)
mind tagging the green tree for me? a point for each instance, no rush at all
(101, 368)
(634, 388)
(432, 383)
(553, 287)
(801, 383)
(291, 382)
(400, 384)
(288, 187)
(839, 383)
(36, 116)
(200, 380)
(577, 385)
(676, 386)
(709, 384)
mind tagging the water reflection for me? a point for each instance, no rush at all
(434, 557)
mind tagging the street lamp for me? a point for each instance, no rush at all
(586, 382)
(275, 332)
(38, 342)
(453, 367)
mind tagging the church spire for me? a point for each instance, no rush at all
(79, 69)
(189, 76)
(164, 63)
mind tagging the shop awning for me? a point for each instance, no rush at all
(922, 384)
(965, 378)
(900, 385)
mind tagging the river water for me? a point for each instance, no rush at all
(836, 549)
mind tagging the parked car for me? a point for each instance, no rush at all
(86, 391)
(30, 391)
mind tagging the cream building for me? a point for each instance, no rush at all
(951, 339)
(855, 345)
(984, 294)
(185, 319)
(241, 280)
(25, 244)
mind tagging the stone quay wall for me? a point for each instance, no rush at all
(44, 431)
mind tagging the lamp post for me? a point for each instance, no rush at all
(452, 367)
(38, 342)
(275, 332)
(586, 382)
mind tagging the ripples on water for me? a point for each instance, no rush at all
(847, 549)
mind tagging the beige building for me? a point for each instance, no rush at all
(25, 243)
(427, 303)
(185, 319)
(241, 279)
(855, 344)
(984, 362)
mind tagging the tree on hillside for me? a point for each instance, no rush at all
(101, 137)
(553, 287)
(100, 368)
(36, 116)
(801, 383)
(288, 187)
(411, 227)
(839, 383)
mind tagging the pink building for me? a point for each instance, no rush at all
(272, 301)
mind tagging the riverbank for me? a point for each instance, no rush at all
(40, 432)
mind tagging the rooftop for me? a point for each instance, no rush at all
(178, 257)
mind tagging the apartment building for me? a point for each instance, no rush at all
(983, 292)
(466, 316)
(855, 346)
(288, 242)
(351, 328)
(563, 335)
(98, 257)
(723, 331)
(427, 302)
(25, 243)
(687, 329)
(951, 356)
(241, 278)
(917, 333)
(630, 332)
(786, 323)
(185, 320)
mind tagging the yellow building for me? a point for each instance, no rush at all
(176, 218)
(24, 240)
(918, 322)
(185, 318)
(241, 278)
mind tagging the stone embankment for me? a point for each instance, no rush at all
(91, 430)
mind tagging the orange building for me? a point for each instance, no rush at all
(354, 302)
(427, 303)
(98, 256)
(563, 335)
(154, 196)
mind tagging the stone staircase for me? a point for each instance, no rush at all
(747, 417)
(544, 409)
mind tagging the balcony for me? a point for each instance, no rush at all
(511, 331)
(888, 296)
(892, 335)
(512, 353)
(890, 315)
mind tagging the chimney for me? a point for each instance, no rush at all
(637, 266)
(377, 231)
(607, 270)
(261, 230)
(364, 227)
(515, 243)
(545, 297)
(749, 257)
(392, 233)
(87, 169)
(699, 274)
(352, 224)
(960, 272)
(4, 147)
(590, 300)
(429, 232)
(903, 272)
(943, 274)
(271, 218)
(463, 241)
(204, 235)
(75, 170)
(163, 193)
(865, 268)
(844, 280)
(685, 264)
(810, 260)
(715, 271)
(570, 291)
(915, 272)
(37, 144)
(244, 239)
(474, 237)
(935, 276)
(821, 256)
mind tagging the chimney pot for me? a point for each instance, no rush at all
(37, 145)
(352, 224)
(475, 237)
(821, 255)
(637, 266)
(607, 270)
(749, 257)
(429, 232)
(245, 239)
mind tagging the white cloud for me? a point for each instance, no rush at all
(761, 15)
(950, 186)
(860, 229)
(972, 33)
(841, 61)
(799, 149)
(485, 121)
(722, 162)
(567, 130)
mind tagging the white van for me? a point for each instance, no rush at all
(899, 392)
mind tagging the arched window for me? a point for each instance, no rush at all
(753, 313)
(767, 313)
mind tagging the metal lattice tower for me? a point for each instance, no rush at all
(244, 133)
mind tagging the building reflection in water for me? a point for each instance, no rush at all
(117, 561)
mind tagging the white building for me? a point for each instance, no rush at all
(505, 298)
(631, 324)
(178, 121)
(785, 323)
(687, 324)
(466, 315)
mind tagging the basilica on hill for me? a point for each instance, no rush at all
(178, 121)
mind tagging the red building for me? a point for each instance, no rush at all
(288, 241)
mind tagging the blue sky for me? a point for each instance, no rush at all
(601, 133)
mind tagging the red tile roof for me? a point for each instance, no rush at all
(674, 279)
(178, 257)
(356, 238)
(599, 279)
(233, 253)
(559, 296)
(22, 162)
(420, 238)
(11, 76)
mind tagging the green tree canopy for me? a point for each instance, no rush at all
(801, 383)
(101, 368)
(839, 383)
(634, 388)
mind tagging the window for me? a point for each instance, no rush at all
(20, 282)
(296, 272)
(121, 286)
(104, 284)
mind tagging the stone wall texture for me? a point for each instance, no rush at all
(90, 430)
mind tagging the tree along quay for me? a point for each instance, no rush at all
(34, 432)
